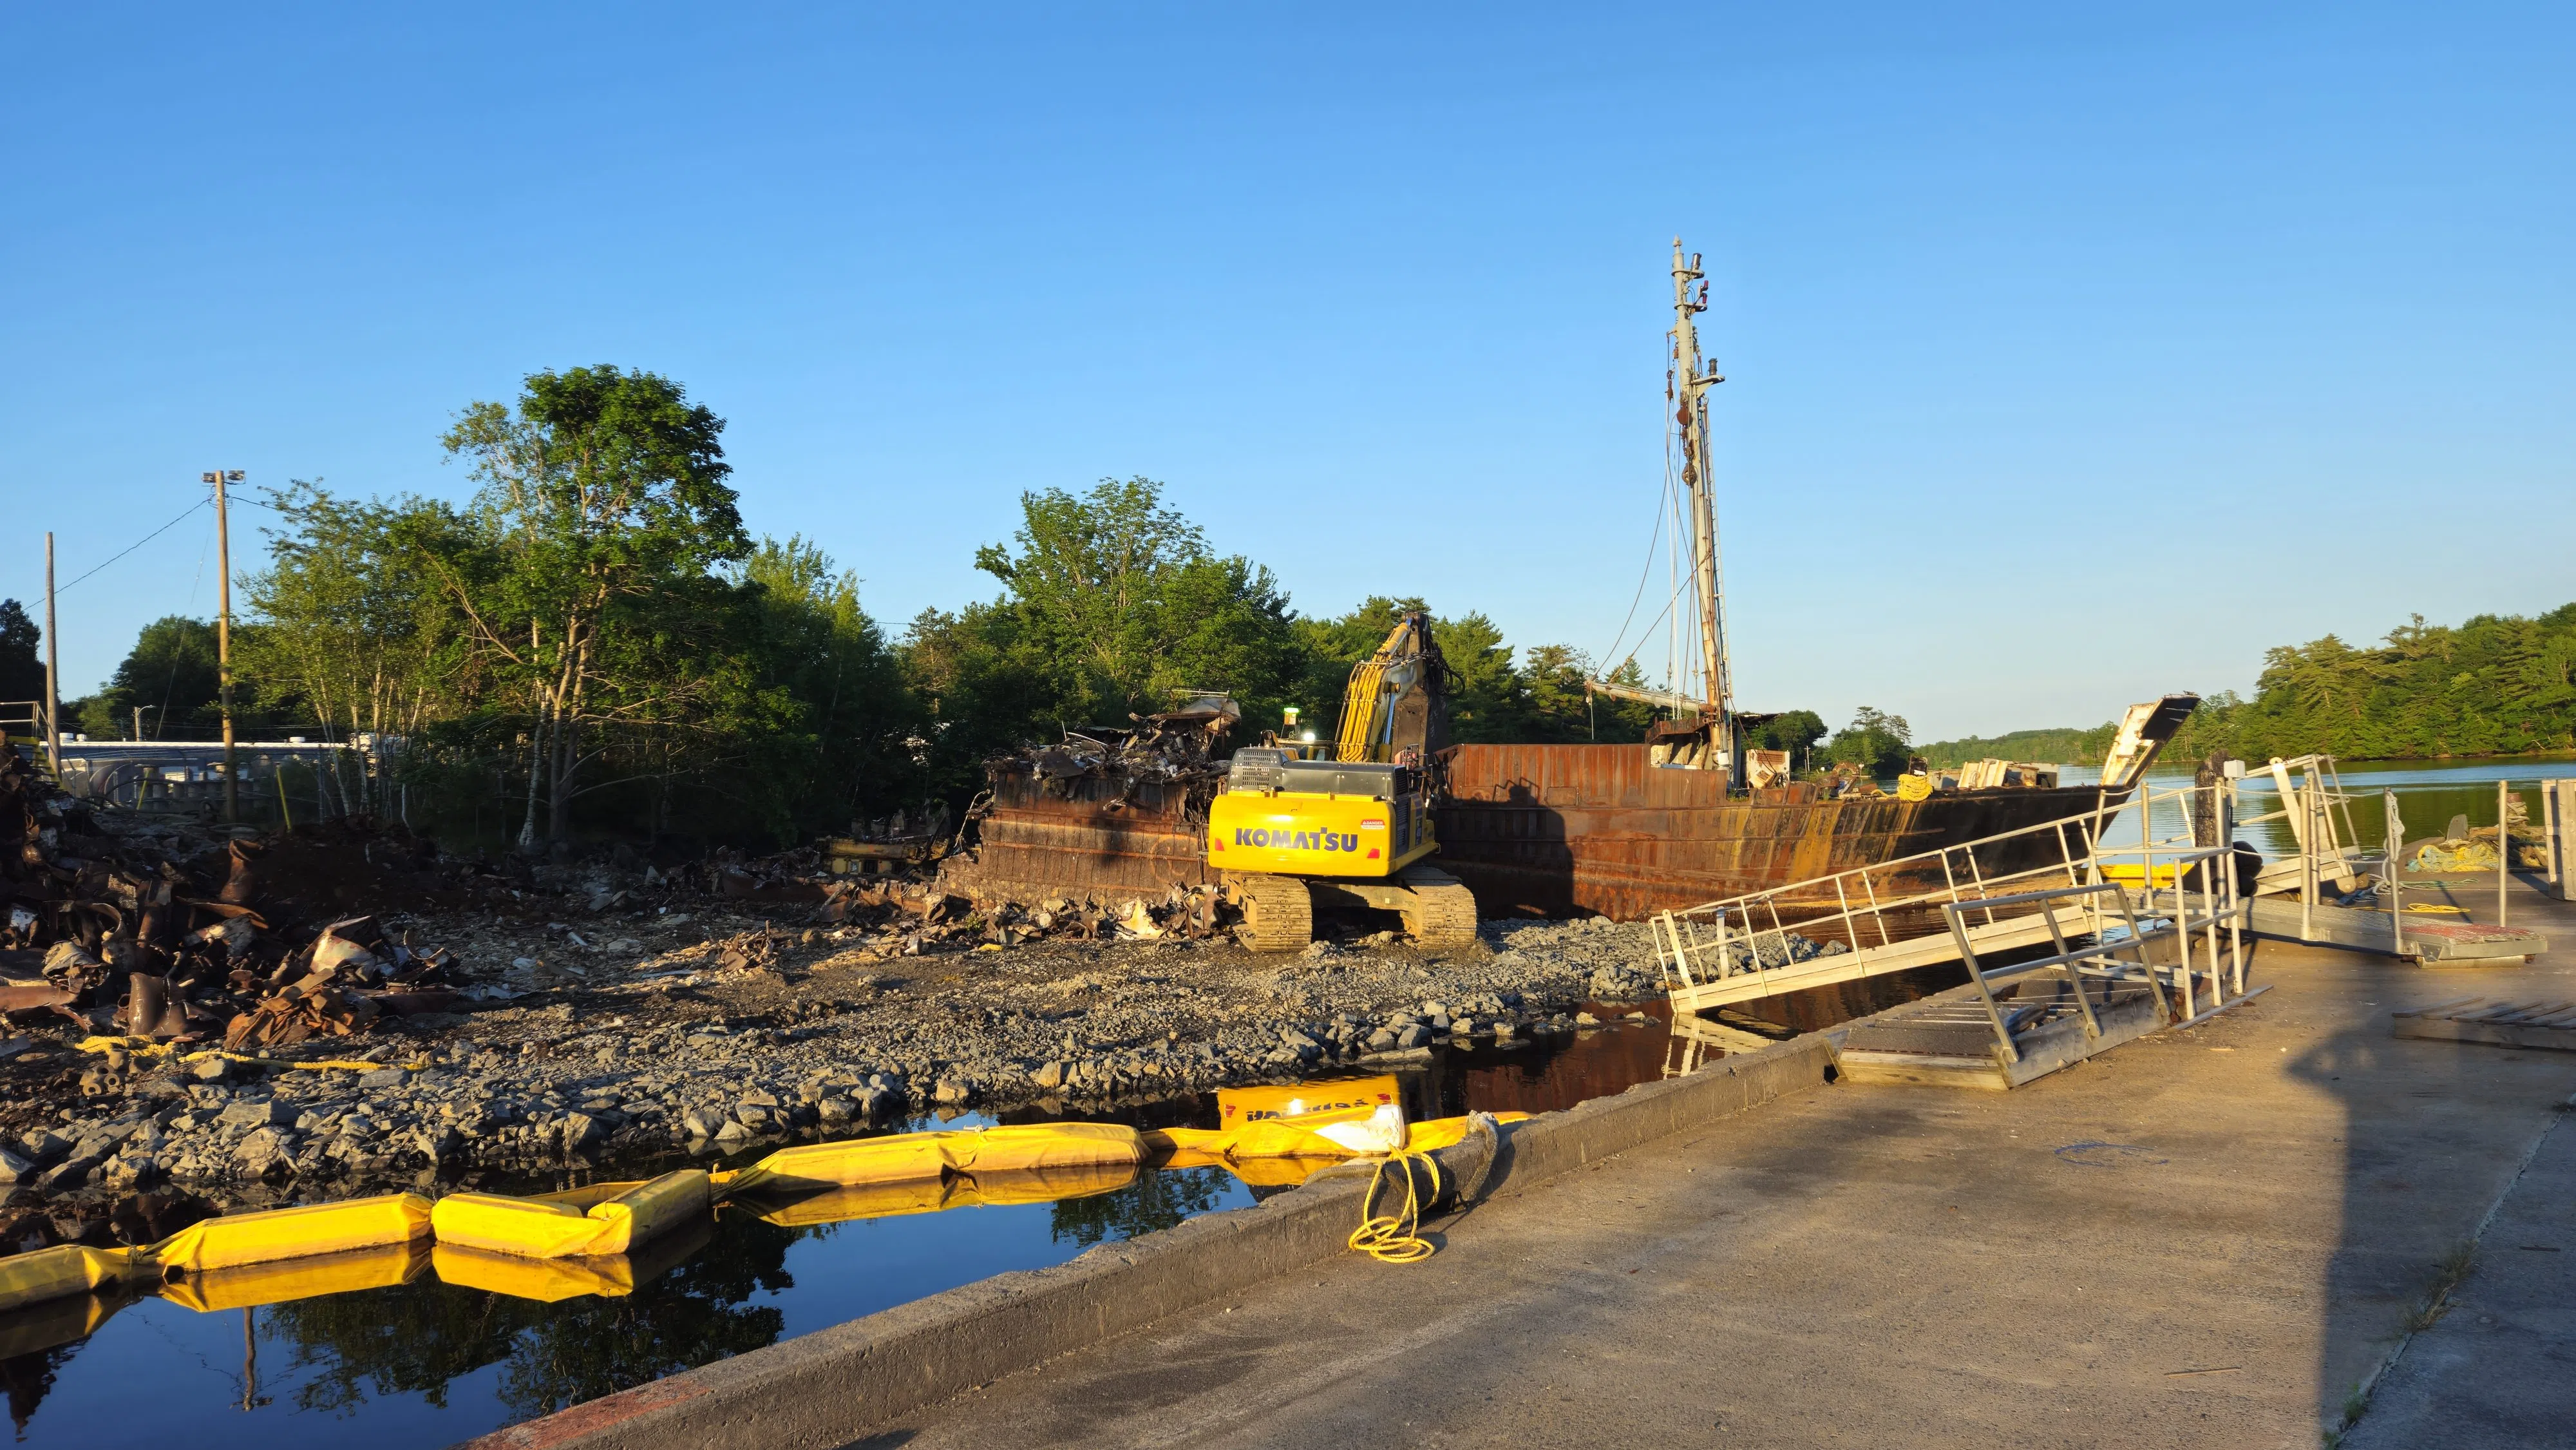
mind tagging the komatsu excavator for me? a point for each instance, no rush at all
(1291, 832)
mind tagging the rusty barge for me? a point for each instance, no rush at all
(1534, 830)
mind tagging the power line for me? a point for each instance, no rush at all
(139, 543)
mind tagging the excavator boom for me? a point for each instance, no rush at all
(1397, 699)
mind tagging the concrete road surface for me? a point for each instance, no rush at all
(2206, 1238)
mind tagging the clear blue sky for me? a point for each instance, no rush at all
(2076, 354)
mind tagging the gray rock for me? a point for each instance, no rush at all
(71, 1173)
(759, 1099)
(581, 1130)
(264, 1149)
(1413, 1035)
(836, 1111)
(1381, 1041)
(42, 1147)
(14, 1166)
(755, 1117)
(1048, 1075)
(259, 1113)
(390, 1077)
(733, 1133)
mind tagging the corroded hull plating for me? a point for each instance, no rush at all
(1547, 830)
(1596, 829)
(1085, 836)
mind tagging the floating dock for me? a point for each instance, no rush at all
(2429, 940)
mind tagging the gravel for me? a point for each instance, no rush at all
(665, 1058)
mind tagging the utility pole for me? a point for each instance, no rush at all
(53, 672)
(224, 636)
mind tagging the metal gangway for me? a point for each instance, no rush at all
(1872, 920)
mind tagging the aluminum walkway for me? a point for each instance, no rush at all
(1841, 928)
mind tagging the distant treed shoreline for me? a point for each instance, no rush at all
(2495, 685)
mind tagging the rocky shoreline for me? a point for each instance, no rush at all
(709, 1047)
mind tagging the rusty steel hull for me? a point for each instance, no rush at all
(1084, 837)
(1533, 830)
(1596, 829)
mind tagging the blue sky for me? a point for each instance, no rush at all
(2074, 355)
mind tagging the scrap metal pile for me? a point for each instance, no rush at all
(173, 936)
(1104, 817)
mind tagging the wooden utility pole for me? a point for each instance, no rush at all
(224, 636)
(53, 672)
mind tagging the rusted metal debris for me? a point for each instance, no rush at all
(127, 936)
(1106, 815)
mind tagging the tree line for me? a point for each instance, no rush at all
(593, 642)
(2497, 684)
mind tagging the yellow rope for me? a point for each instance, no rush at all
(146, 1047)
(2435, 908)
(1396, 1239)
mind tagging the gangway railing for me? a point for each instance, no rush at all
(2203, 970)
(1842, 927)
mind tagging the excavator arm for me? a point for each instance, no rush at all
(1398, 697)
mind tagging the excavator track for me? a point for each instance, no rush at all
(1441, 913)
(1278, 913)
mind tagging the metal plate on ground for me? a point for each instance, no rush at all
(2486, 1019)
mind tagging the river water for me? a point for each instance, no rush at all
(2429, 794)
(428, 1363)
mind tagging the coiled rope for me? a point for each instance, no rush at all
(1397, 1238)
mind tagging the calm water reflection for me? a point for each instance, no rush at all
(428, 1363)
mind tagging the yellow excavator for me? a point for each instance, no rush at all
(1291, 831)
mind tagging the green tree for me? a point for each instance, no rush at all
(1875, 741)
(604, 508)
(1114, 601)
(1561, 710)
(837, 733)
(345, 619)
(1111, 603)
(22, 670)
(170, 674)
(1795, 731)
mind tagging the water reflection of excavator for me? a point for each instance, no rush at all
(1291, 832)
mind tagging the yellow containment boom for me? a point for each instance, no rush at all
(558, 1245)
(909, 1157)
(562, 1226)
(294, 1233)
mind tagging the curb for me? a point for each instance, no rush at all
(829, 1387)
